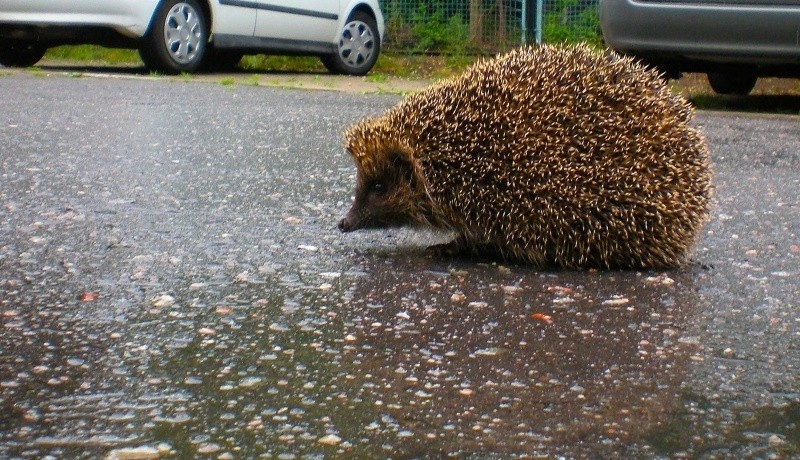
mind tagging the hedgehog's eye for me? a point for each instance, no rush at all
(378, 188)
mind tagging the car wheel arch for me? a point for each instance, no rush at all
(363, 8)
(208, 15)
(357, 45)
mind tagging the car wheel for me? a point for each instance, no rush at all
(730, 83)
(20, 54)
(177, 38)
(358, 47)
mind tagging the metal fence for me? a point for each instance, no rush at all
(468, 26)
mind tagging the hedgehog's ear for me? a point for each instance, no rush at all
(401, 162)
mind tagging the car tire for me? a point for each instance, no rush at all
(15, 53)
(358, 46)
(732, 83)
(176, 41)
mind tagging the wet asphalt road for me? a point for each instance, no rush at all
(172, 285)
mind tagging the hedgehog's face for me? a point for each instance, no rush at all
(387, 195)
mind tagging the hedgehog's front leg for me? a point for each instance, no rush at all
(455, 248)
(461, 247)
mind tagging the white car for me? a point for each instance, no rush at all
(182, 35)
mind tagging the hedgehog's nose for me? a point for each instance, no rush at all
(345, 226)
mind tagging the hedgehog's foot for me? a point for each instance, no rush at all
(461, 248)
(455, 248)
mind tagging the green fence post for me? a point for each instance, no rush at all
(539, 13)
(523, 19)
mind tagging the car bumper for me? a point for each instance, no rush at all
(713, 32)
(130, 18)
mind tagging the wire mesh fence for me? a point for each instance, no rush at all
(571, 21)
(470, 26)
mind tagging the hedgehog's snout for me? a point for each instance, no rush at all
(349, 222)
(345, 225)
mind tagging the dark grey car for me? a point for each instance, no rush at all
(733, 41)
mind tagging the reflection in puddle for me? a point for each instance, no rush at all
(469, 359)
(394, 355)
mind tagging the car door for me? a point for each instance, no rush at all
(233, 18)
(298, 20)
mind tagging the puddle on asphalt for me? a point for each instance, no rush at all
(170, 301)
(387, 354)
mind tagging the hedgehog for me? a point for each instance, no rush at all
(560, 156)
